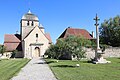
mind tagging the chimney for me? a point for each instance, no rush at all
(93, 34)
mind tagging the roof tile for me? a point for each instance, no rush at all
(11, 38)
(76, 32)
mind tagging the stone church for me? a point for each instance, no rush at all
(32, 41)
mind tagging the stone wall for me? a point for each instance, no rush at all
(109, 52)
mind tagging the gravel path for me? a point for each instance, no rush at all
(36, 69)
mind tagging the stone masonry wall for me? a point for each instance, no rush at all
(109, 52)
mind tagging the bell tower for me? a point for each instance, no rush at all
(28, 22)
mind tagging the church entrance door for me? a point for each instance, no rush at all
(36, 52)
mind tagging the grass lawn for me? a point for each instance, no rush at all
(8, 68)
(66, 70)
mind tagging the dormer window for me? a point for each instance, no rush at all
(28, 23)
(32, 23)
(36, 35)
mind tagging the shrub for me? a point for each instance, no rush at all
(67, 47)
(13, 53)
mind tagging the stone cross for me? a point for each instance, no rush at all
(98, 53)
(97, 31)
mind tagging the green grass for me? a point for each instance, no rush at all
(66, 70)
(9, 68)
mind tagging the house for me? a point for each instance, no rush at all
(76, 32)
(32, 42)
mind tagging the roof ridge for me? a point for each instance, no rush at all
(76, 28)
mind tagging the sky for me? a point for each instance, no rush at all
(56, 15)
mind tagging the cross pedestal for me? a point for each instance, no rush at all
(99, 57)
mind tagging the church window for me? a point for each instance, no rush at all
(36, 35)
(32, 23)
(28, 23)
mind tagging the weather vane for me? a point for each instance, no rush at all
(29, 5)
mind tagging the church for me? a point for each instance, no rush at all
(32, 42)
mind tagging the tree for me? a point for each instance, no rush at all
(76, 45)
(2, 49)
(56, 50)
(71, 45)
(51, 51)
(110, 32)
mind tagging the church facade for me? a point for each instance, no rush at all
(32, 42)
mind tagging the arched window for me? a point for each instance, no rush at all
(36, 35)
(32, 23)
(28, 23)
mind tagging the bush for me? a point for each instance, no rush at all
(64, 48)
(13, 53)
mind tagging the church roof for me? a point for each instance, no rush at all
(12, 42)
(48, 36)
(11, 38)
(76, 32)
(30, 16)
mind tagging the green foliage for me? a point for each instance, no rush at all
(71, 45)
(55, 51)
(110, 32)
(2, 49)
(51, 51)
(13, 53)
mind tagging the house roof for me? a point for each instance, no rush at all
(76, 32)
(12, 42)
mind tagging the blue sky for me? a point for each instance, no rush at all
(56, 15)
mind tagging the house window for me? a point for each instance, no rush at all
(32, 23)
(36, 35)
(28, 23)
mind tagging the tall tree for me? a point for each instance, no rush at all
(110, 32)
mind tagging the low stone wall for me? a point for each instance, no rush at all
(109, 52)
(90, 53)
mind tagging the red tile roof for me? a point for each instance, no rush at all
(12, 42)
(48, 36)
(10, 38)
(76, 32)
(11, 46)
